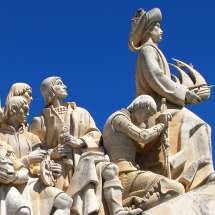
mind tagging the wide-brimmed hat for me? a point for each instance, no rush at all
(141, 22)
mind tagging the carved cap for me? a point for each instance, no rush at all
(141, 22)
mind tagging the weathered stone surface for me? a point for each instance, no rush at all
(201, 201)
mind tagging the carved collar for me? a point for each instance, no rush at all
(11, 129)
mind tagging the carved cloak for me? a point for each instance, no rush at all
(189, 136)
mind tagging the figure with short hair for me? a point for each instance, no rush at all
(26, 146)
(73, 140)
(18, 89)
(125, 135)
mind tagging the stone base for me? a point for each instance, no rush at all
(200, 201)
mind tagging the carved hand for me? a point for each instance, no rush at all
(61, 151)
(22, 176)
(164, 118)
(72, 141)
(192, 98)
(7, 177)
(203, 92)
(56, 169)
(36, 156)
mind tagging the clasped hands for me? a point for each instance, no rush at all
(164, 118)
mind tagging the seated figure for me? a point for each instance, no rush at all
(125, 134)
(40, 198)
(70, 135)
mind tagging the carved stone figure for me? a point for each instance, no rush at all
(40, 198)
(18, 89)
(11, 200)
(60, 118)
(125, 134)
(72, 138)
(188, 135)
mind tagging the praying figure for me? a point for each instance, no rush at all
(126, 135)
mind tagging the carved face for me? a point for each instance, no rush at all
(60, 89)
(142, 115)
(139, 116)
(156, 33)
(28, 95)
(21, 114)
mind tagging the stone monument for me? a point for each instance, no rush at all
(26, 149)
(125, 134)
(154, 156)
(188, 151)
(72, 139)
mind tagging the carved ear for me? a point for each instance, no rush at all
(13, 109)
(148, 110)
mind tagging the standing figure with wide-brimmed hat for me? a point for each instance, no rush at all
(189, 136)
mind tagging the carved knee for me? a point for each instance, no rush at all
(24, 211)
(171, 186)
(63, 201)
(179, 188)
(110, 172)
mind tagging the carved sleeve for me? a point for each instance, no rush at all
(91, 134)
(121, 124)
(158, 81)
(38, 128)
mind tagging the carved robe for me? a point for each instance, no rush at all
(78, 122)
(11, 199)
(88, 196)
(85, 185)
(36, 195)
(189, 136)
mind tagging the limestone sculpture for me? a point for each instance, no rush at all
(18, 89)
(156, 148)
(124, 135)
(72, 138)
(37, 196)
(189, 137)
(11, 201)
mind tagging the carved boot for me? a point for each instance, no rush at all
(113, 197)
(211, 178)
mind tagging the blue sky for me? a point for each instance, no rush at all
(85, 42)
